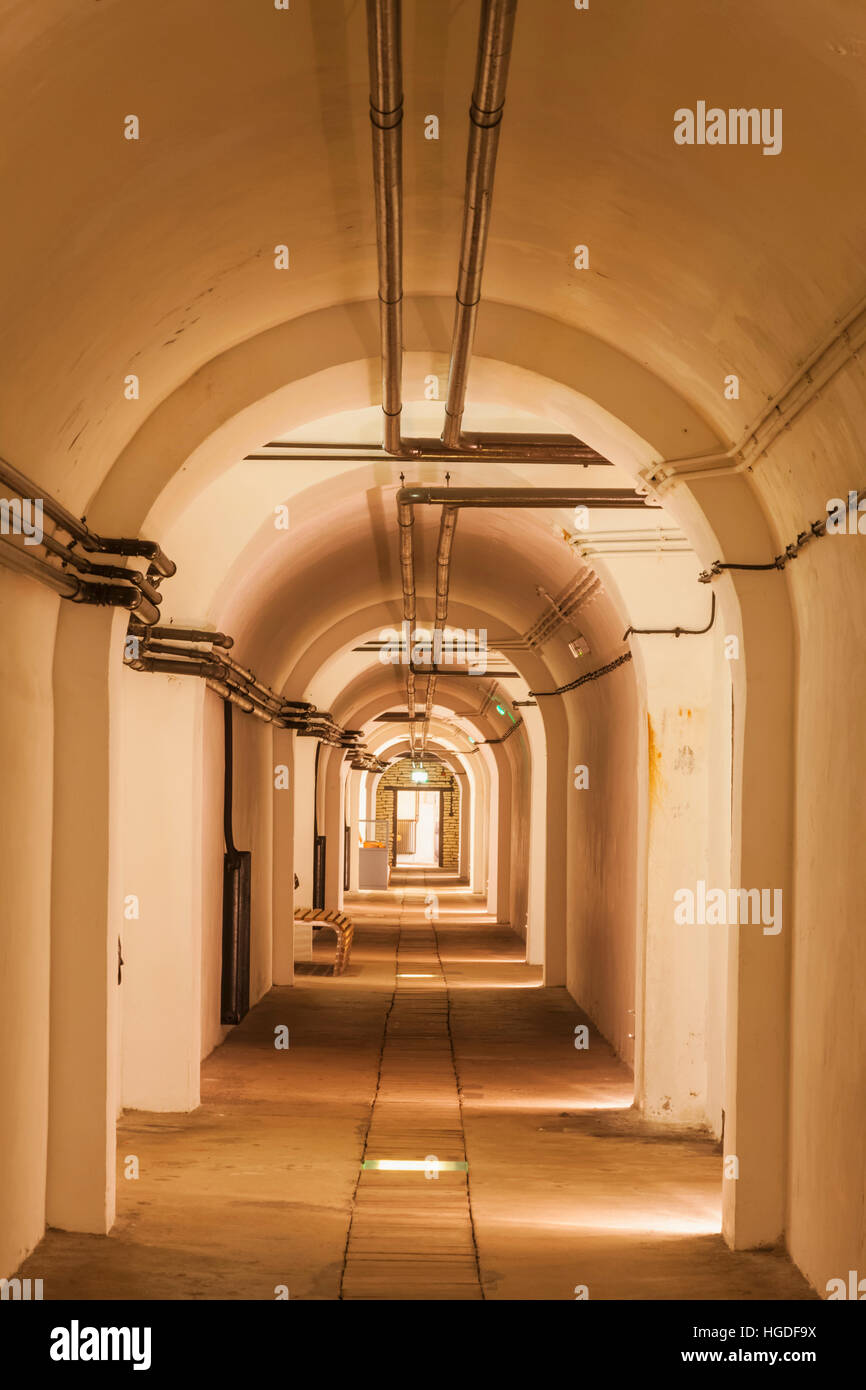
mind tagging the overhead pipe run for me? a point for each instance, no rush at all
(80, 531)
(217, 677)
(451, 500)
(386, 118)
(545, 627)
(406, 523)
(128, 588)
(539, 449)
(186, 634)
(485, 116)
(447, 527)
(505, 448)
(368, 762)
(69, 586)
(526, 497)
(234, 683)
(68, 556)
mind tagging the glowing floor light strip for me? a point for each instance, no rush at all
(415, 1165)
(404, 976)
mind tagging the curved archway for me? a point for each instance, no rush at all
(255, 559)
(712, 346)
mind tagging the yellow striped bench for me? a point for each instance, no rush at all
(343, 926)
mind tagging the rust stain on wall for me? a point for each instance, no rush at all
(654, 756)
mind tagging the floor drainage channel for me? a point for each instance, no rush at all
(411, 1234)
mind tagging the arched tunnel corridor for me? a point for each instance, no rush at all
(431, 727)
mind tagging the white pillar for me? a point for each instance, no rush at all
(283, 858)
(161, 856)
(87, 917)
(28, 614)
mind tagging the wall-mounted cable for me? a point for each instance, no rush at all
(583, 680)
(673, 631)
(518, 724)
(816, 529)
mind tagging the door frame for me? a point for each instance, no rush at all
(394, 795)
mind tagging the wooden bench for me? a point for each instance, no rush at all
(343, 926)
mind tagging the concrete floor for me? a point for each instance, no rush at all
(436, 1041)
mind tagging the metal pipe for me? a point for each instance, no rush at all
(174, 666)
(214, 675)
(85, 566)
(579, 594)
(25, 487)
(564, 446)
(406, 523)
(79, 530)
(222, 675)
(485, 116)
(117, 596)
(122, 545)
(511, 448)
(262, 693)
(451, 499)
(458, 673)
(447, 527)
(477, 450)
(386, 117)
(263, 702)
(226, 693)
(176, 649)
(15, 557)
(189, 634)
(77, 590)
(529, 497)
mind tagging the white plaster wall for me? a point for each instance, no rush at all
(520, 837)
(162, 749)
(304, 788)
(28, 616)
(211, 872)
(537, 792)
(602, 861)
(283, 858)
(253, 830)
(86, 917)
(826, 1192)
(681, 1005)
(655, 736)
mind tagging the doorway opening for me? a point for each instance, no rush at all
(418, 828)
